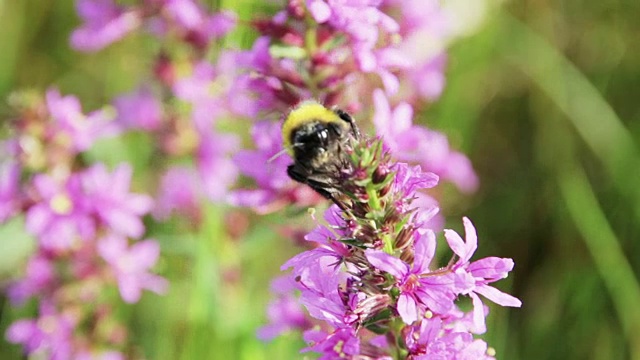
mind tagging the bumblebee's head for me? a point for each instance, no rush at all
(311, 130)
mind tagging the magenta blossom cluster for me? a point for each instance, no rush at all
(371, 286)
(361, 56)
(88, 229)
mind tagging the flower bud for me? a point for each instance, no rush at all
(380, 174)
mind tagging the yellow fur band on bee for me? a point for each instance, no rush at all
(307, 111)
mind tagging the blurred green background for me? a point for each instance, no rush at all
(544, 98)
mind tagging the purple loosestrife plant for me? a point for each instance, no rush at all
(371, 283)
(342, 53)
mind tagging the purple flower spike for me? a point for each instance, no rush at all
(130, 266)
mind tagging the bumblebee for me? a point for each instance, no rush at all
(316, 137)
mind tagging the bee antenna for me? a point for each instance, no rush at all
(277, 155)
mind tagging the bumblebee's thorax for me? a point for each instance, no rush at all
(316, 142)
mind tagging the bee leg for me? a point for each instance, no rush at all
(301, 175)
(346, 117)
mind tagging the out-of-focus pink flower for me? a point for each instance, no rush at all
(425, 29)
(238, 99)
(51, 334)
(195, 24)
(185, 13)
(111, 200)
(285, 313)
(217, 170)
(416, 144)
(62, 216)
(130, 265)
(359, 19)
(139, 110)
(9, 189)
(71, 127)
(104, 23)
(428, 78)
(422, 15)
(207, 98)
(39, 276)
(180, 191)
(196, 87)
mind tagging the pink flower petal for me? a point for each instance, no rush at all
(407, 308)
(129, 287)
(38, 219)
(112, 247)
(471, 238)
(455, 243)
(478, 315)
(320, 11)
(425, 249)
(402, 118)
(388, 263)
(145, 253)
(498, 296)
(491, 268)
